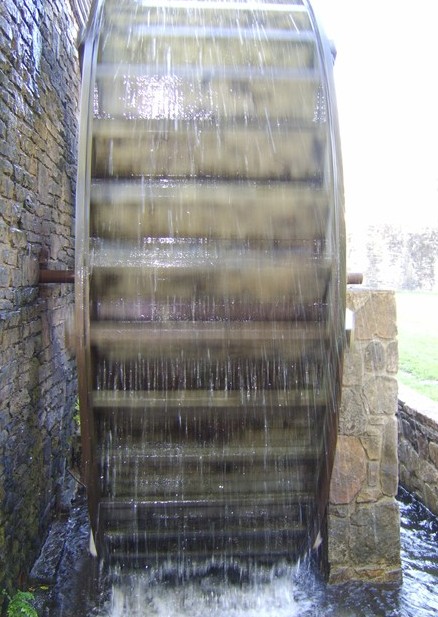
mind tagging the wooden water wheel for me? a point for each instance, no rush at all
(210, 278)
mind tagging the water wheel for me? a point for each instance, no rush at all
(210, 278)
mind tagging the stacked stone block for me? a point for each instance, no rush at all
(363, 521)
(418, 446)
(39, 84)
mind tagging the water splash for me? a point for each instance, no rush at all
(262, 592)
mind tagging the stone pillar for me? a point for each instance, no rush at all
(363, 517)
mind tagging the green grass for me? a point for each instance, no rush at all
(417, 321)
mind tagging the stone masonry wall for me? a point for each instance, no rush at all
(418, 446)
(39, 83)
(363, 519)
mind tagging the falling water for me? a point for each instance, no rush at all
(262, 591)
(215, 320)
(214, 280)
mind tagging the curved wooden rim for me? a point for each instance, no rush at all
(81, 277)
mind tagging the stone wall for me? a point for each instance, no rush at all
(363, 520)
(418, 446)
(39, 83)
(394, 257)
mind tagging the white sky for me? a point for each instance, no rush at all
(386, 75)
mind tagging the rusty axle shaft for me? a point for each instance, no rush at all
(56, 276)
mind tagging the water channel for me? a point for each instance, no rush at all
(280, 591)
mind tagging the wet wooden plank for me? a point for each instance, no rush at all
(142, 92)
(153, 484)
(237, 211)
(207, 309)
(236, 404)
(274, 151)
(194, 274)
(264, 545)
(200, 339)
(212, 47)
(182, 507)
(217, 14)
(161, 455)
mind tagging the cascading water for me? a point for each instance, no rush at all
(210, 283)
(209, 316)
(281, 591)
